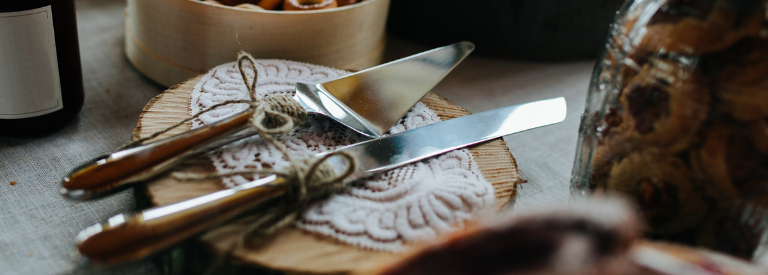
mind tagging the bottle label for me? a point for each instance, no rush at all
(29, 69)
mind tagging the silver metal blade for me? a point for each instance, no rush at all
(392, 151)
(373, 100)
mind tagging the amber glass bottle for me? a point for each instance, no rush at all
(41, 82)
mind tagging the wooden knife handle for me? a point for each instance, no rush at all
(126, 238)
(104, 174)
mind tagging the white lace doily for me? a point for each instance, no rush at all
(412, 203)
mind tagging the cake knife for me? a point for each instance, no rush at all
(125, 238)
(369, 102)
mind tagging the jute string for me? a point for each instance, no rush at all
(272, 115)
(306, 180)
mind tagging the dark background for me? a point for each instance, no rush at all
(543, 30)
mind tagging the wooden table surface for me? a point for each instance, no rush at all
(37, 226)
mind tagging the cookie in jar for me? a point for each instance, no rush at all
(677, 120)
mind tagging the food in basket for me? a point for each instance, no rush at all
(305, 5)
(347, 2)
(288, 5)
(229, 2)
(249, 7)
(269, 4)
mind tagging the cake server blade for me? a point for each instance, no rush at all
(383, 154)
(369, 102)
(373, 100)
(125, 238)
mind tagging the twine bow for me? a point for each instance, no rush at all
(272, 115)
(277, 115)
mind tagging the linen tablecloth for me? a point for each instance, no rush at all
(37, 225)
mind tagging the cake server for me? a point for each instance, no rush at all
(369, 102)
(125, 238)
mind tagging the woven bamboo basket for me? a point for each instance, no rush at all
(170, 41)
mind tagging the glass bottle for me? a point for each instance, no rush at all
(41, 83)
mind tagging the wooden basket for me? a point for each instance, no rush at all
(170, 41)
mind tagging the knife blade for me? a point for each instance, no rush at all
(125, 238)
(369, 102)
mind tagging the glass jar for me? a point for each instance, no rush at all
(677, 120)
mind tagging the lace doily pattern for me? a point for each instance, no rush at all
(384, 212)
(275, 76)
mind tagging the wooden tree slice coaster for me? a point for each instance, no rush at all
(293, 250)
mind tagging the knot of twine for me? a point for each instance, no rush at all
(272, 115)
(307, 180)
